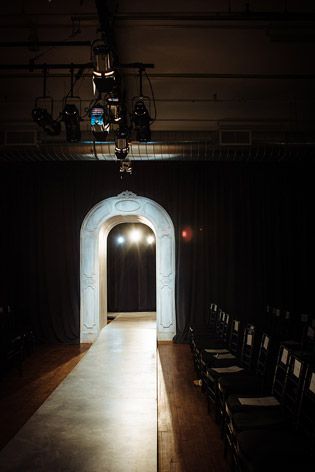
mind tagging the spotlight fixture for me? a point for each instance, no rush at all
(104, 73)
(41, 115)
(44, 119)
(125, 167)
(142, 120)
(121, 143)
(140, 114)
(71, 117)
(100, 122)
(114, 109)
(120, 239)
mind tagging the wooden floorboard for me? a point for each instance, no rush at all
(22, 395)
(188, 438)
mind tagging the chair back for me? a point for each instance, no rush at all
(234, 341)
(281, 370)
(306, 413)
(294, 383)
(248, 347)
(213, 316)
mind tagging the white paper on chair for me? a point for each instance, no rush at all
(266, 343)
(259, 401)
(225, 356)
(297, 368)
(312, 384)
(249, 340)
(236, 325)
(217, 351)
(284, 357)
(226, 370)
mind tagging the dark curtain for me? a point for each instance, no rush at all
(251, 244)
(131, 284)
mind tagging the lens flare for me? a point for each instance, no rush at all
(150, 239)
(135, 236)
(187, 234)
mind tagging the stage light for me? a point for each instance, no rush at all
(46, 121)
(100, 122)
(150, 239)
(125, 167)
(71, 117)
(114, 109)
(141, 119)
(120, 240)
(103, 74)
(121, 143)
(135, 235)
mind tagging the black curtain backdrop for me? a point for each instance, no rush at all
(131, 284)
(252, 240)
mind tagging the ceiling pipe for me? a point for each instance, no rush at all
(227, 19)
(31, 44)
(220, 16)
(89, 65)
(32, 66)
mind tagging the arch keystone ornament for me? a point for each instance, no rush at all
(127, 207)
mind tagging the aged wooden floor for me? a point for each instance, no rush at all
(99, 418)
(188, 439)
(22, 395)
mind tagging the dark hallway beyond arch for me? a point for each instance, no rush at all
(131, 269)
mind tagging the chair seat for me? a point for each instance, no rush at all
(259, 418)
(204, 342)
(243, 383)
(215, 373)
(212, 359)
(265, 450)
(233, 404)
(209, 342)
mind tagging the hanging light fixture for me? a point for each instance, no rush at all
(100, 122)
(43, 118)
(104, 79)
(125, 167)
(70, 113)
(142, 120)
(71, 118)
(114, 109)
(121, 143)
(40, 114)
(140, 115)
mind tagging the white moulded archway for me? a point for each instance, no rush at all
(126, 207)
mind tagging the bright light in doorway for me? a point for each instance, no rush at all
(135, 235)
(120, 240)
(150, 239)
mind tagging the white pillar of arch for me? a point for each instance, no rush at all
(126, 207)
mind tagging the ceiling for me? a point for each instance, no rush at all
(232, 80)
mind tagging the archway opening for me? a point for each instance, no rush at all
(131, 269)
(125, 208)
